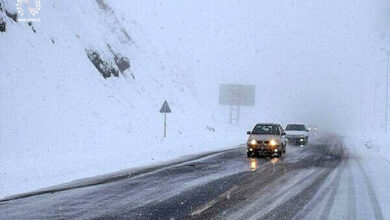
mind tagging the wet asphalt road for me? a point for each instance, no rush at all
(225, 185)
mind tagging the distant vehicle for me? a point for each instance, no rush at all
(297, 134)
(266, 140)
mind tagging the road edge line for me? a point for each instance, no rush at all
(115, 176)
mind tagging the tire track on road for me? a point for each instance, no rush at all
(333, 192)
(312, 204)
(371, 192)
(335, 184)
(331, 159)
(351, 202)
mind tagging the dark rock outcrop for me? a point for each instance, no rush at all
(104, 67)
(32, 27)
(122, 62)
(3, 25)
(104, 6)
(13, 16)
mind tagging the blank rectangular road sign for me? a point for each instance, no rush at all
(235, 94)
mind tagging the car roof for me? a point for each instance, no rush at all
(267, 124)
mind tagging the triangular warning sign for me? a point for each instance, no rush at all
(165, 108)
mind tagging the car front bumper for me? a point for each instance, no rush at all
(296, 140)
(264, 150)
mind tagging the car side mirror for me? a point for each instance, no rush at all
(248, 132)
(307, 130)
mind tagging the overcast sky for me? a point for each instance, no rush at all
(312, 61)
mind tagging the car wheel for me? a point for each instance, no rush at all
(248, 154)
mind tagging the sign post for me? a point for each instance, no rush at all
(165, 109)
(236, 95)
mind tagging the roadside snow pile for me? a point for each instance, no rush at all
(80, 95)
(377, 143)
(372, 154)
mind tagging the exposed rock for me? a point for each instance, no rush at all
(13, 16)
(32, 27)
(126, 35)
(123, 36)
(104, 67)
(2, 23)
(122, 62)
(210, 129)
(104, 6)
(2, 26)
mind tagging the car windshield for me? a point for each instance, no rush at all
(296, 127)
(266, 129)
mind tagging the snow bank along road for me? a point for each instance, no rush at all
(319, 181)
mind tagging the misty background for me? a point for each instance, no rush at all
(317, 62)
(61, 118)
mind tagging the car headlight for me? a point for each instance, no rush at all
(253, 142)
(273, 143)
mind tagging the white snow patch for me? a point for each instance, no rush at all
(373, 153)
(61, 120)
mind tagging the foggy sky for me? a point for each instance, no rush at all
(317, 62)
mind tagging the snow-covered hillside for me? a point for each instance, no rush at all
(82, 85)
(80, 96)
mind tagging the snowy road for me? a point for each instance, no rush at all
(320, 181)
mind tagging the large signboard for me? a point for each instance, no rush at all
(238, 95)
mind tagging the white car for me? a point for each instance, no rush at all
(297, 134)
(266, 139)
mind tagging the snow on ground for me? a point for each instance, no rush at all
(61, 120)
(372, 154)
(375, 143)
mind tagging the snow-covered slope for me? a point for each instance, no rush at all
(61, 119)
(64, 117)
